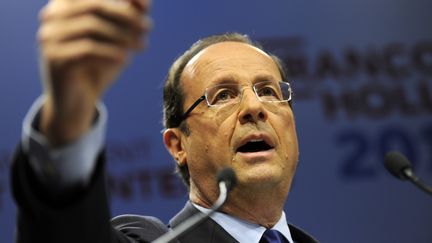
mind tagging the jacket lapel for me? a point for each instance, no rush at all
(207, 231)
(300, 236)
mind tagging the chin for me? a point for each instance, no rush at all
(262, 176)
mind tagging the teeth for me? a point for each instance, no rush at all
(256, 140)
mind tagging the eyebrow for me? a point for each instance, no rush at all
(263, 77)
(225, 79)
(230, 78)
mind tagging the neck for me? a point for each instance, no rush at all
(262, 206)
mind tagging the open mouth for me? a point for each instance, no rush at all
(254, 146)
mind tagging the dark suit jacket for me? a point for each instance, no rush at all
(81, 214)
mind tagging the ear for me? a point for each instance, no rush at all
(172, 138)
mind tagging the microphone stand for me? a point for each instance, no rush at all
(416, 181)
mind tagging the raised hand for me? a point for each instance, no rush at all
(84, 45)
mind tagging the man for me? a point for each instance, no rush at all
(226, 104)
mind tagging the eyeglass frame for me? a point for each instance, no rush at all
(203, 97)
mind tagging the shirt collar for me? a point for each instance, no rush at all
(244, 231)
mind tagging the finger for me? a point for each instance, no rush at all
(89, 26)
(116, 11)
(84, 49)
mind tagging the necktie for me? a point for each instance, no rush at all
(273, 236)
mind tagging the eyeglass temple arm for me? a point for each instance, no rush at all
(186, 114)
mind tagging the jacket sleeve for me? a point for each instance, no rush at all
(45, 214)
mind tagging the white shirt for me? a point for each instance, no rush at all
(246, 232)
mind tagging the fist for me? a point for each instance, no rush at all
(84, 45)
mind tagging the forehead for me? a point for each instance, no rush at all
(232, 60)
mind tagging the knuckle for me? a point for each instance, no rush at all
(41, 35)
(46, 32)
(46, 11)
(43, 13)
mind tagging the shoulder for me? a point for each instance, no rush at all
(139, 227)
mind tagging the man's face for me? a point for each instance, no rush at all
(258, 140)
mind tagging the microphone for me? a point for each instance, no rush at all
(399, 166)
(226, 180)
(228, 177)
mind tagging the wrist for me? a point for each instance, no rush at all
(65, 123)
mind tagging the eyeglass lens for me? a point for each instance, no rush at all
(224, 94)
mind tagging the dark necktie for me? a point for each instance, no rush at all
(273, 236)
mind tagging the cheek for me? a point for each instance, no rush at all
(226, 116)
(213, 131)
(219, 124)
(284, 126)
(210, 148)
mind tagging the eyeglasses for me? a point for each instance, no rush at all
(228, 94)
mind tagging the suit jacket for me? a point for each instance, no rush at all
(81, 214)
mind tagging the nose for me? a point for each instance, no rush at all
(251, 109)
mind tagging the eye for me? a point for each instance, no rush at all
(223, 96)
(268, 92)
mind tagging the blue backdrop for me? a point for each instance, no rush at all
(362, 76)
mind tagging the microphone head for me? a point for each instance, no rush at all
(396, 163)
(228, 176)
